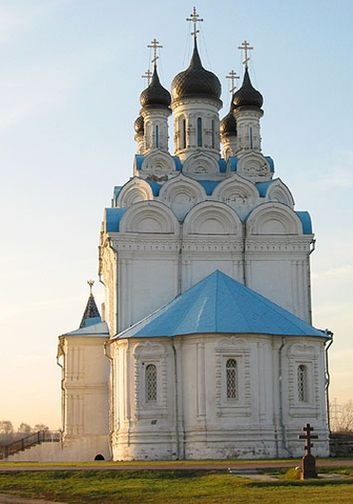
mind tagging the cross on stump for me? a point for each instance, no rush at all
(308, 461)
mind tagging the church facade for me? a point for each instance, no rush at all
(205, 347)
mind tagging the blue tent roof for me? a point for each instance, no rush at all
(220, 304)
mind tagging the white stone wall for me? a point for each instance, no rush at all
(169, 243)
(192, 417)
(190, 110)
(85, 396)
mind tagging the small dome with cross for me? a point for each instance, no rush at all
(155, 95)
(247, 95)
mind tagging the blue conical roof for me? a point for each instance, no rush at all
(220, 304)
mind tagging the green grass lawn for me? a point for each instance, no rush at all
(166, 487)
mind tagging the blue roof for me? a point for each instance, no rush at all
(138, 160)
(209, 185)
(220, 304)
(112, 219)
(306, 222)
(116, 191)
(232, 163)
(262, 187)
(154, 186)
(91, 321)
(222, 165)
(98, 329)
(178, 164)
(270, 163)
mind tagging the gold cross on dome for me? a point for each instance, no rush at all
(147, 75)
(155, 45)
(233, 77)
(194, 18)
(90, 283)
(246, 47)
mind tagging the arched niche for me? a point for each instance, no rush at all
(134, 191)
(201, 165)
(181, 194)
(238, 193)
(273, 219)
(149, 217)
(254, 166)
(158, 165)
(212, 218)
(278, 191)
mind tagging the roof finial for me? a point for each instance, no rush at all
(90, 283)
(147, 75)
(245, 46)
(155, 45)
(233, 77)
(194, 18)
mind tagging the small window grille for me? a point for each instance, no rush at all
(232, 379)
(151, 382)
(302, 383)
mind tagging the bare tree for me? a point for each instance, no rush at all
(341, 417)
(24, 428)
(40, 427)
(6, 431)
(6, 427)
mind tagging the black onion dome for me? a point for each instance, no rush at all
(247, 95)
(228, 125)
(195, 81)
(155, 95)
(139, 125)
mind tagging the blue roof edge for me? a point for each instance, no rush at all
(112, 217)
(306, 221)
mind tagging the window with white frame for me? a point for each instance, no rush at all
(302, 381)
(151, 383)
(232, 379)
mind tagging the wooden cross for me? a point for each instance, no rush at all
(147, 75)
(308, 437)
(246, 47)
(194, 18)
(232, 76)
(155, 45)
(90, 283)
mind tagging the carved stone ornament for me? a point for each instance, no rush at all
(254, 166)
(158, 166)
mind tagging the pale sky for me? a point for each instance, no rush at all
(70, 79)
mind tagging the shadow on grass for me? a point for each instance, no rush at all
(119, 475)
(310, 482)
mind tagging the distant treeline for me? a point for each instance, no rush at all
(8, 433)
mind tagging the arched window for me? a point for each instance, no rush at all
(183, 134)
(302, 383)
(199, 132)
(151, 383)
(232, 379)
(157, 136)
(213, 134)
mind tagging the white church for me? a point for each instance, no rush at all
(204, 348)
